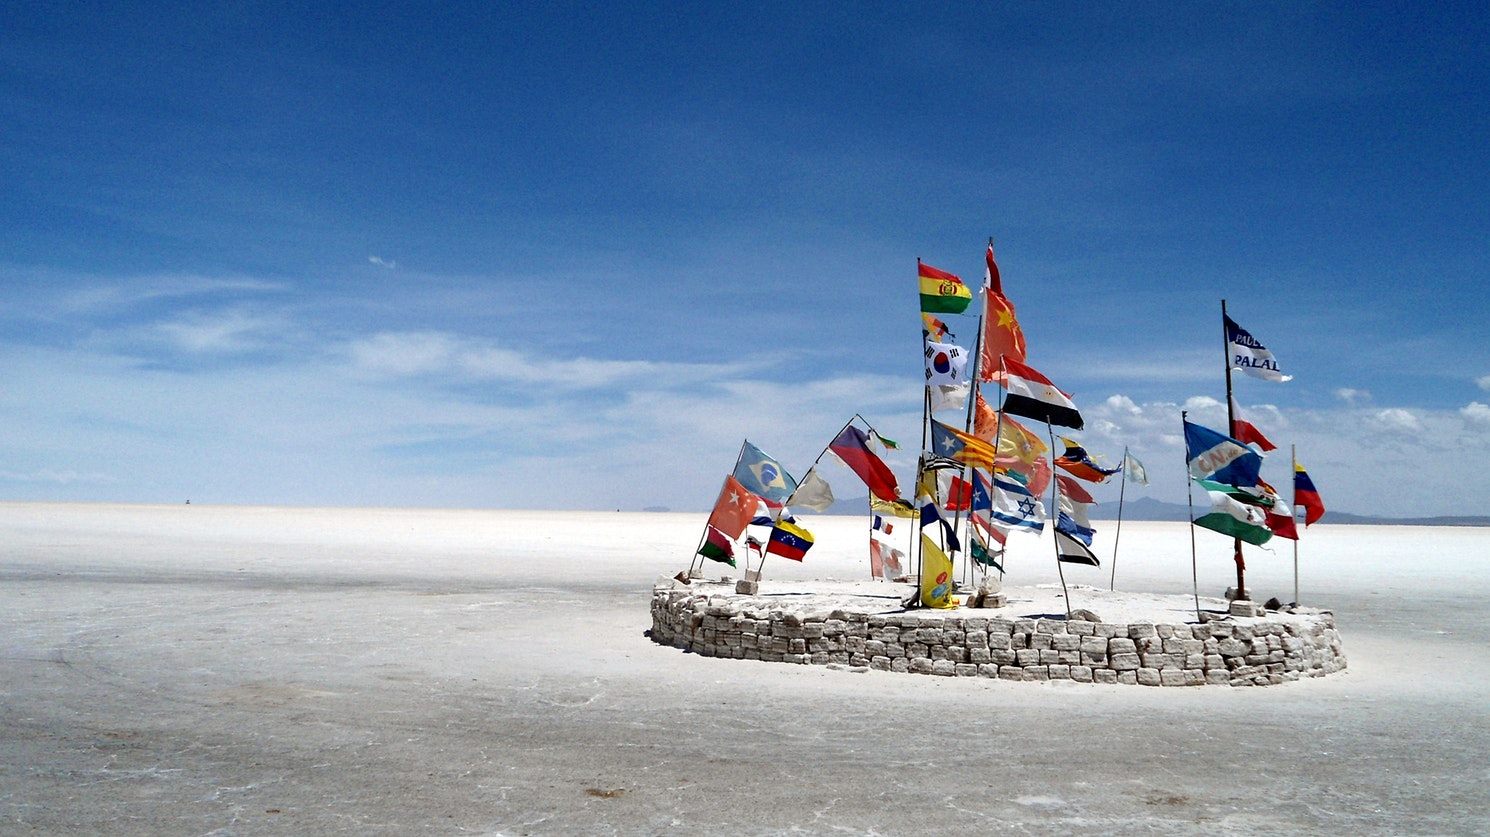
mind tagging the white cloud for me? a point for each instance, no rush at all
(1353, 397)
(381, 262)
(1484, 383)
(223, 332)
(1476, 412)
(1122, 404)
(1398, 419)
(440, 354)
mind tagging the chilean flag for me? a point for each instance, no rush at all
(1247, 432)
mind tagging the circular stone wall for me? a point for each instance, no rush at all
(862, 631)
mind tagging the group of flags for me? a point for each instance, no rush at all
(1011, 472)
(1010, 469)
(760, 491)
(1227, 468)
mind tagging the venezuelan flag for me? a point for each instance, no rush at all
(789, 540)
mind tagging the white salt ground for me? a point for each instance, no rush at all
(213, 670)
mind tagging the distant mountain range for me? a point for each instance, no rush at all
(1147, 508)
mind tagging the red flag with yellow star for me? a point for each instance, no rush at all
(1001, 332)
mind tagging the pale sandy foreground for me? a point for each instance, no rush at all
(209, 670)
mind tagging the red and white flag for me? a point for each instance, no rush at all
(1245, 431)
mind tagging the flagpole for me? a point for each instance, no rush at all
(1055, 508)
(1241, 583)
(1293, 511)
(698, 559)
(1118, 534)
(1190, 501)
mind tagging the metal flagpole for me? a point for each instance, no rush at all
(1118, 534)
(1241, 583)
(697, 558)
(1190, 501)
(1055, 508)
(1293, 510)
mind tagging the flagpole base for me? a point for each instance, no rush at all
(1243, 607)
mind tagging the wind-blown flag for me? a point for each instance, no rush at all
(1032, 395)
(1014, 507)
(884, 560)
(1305, 496)
(882, 525)
(929, 515)
(717, 546)
(897, 508)
(982, 554)
(1017, 446)
(789, 540)
(934, 328)
(1220, 458)
(946, 364)
(1075, 490)
(982, 504)
(951, 399)
(961, 447)
(764, 477)
(942, 292)
(1134, 469)
(852, 446)
(1248, 355)
(1230, 516)
(959, 494)
(813, 492)
(1002, 336)
(936, 576)
(1071, 518)
(1069, 550)
(1246, 431)
(1077, 463)
(1281, 522)
(734, 509)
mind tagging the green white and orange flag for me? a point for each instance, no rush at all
(942, 292)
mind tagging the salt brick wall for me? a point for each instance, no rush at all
(1239, 652)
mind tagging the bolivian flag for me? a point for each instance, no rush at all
(942, 292)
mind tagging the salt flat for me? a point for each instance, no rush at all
(239, 670)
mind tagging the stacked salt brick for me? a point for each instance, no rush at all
(1240, 652)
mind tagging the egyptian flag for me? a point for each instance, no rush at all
(1032, 395)
(1245, 431)
(789, 540)
(1304, 495)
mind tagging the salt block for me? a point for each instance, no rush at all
(1242, 607)
(747, 588)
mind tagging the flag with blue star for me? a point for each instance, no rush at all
(1014, 507)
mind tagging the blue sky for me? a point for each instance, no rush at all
(570, 255)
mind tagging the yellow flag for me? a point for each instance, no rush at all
(936, 576)
(899, 508)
